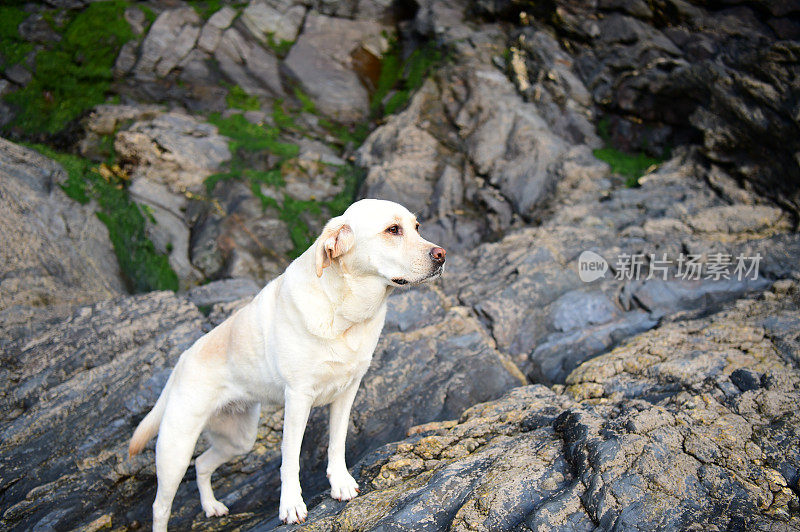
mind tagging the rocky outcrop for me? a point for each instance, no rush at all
(53, 251)
(469, 154)
(174, 149)
(321, 62)
(528, 287)
(668, 73)
(683, 427)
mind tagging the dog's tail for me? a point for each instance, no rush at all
(148, 427)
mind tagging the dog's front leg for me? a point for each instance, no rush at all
(343, 486)
(297, 408)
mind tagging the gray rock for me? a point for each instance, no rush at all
(136, 18)
(248, 65)
(473, 156)
(402, 158)
(63, 379)
(126, 59)
(524, 286)
(236, 237)
(18, 74)
(719, 70)
(166, 228)
(173, 149)
(266, 22)
(52, 249)
(212, 31)
(509, 142)
(172, 35)
(320, 61)
(311, 180)
(105, 120)
(36, 29)
(222, 291)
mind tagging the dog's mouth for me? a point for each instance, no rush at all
(399, 281)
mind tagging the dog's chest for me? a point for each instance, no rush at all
(341, 366)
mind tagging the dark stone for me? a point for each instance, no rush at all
(746, 380)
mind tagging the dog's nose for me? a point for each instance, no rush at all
(437, 254)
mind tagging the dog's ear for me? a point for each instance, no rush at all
(337, 238)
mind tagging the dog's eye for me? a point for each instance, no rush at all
(417, 227)
(394, 230)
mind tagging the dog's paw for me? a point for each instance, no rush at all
(214, 508)
(292, 509)
(343, 486)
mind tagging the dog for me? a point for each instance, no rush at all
(305, 340)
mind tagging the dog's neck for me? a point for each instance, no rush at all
(355, 299)
(335, 302)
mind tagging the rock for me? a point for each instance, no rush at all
(538, 309)
(36, 29)
(320, 61)
(311, 180)
(172, 35)
(223, 291)
(402, 158)
(470, 154)
(64, 379)
(512, 146)
(52, 249)
(312, 150)
(551, 461)
(18, 74)
(104, 121)
(136, 18)
(234, 236)
(174, 149)
(248, 65)
(705, 71)
(212, 31)
(166, 228)
(126, 59)
(266, 22)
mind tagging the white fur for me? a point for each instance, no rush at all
(305, 340)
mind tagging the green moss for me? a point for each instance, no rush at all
(149, 16)
(142, 266)
(391, 70)
(283, 119)
(292, 212)
(74, 74)
(13, 49)
(306, 103)
(632, 166)
(280, 47)
(205, 8)
(402, 76)
(237, 98)
(252, 137)
(352, 176)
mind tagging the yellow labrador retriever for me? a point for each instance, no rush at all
(305, 340)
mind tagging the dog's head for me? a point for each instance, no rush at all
(379, 238)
